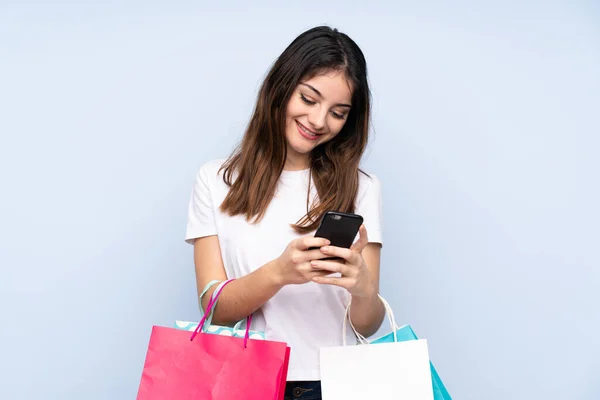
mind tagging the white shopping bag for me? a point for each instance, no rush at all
(398, 370)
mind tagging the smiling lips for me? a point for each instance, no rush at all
(307, 133)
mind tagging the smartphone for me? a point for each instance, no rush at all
(339, 228)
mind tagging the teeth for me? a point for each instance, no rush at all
(307, 132)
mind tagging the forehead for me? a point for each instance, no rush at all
(333, 86)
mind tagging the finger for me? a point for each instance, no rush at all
(311, 273)
(333, 251)
(309, 270)
(307, 242)
(344, 282)
(319, 274)
(309, 255)
(331, 266)
(363, 239)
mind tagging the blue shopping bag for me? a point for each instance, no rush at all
(400, 334)
(404, 334)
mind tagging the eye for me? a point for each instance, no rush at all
(307, 101)
(337, 115)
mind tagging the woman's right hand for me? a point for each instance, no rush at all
(293, 266)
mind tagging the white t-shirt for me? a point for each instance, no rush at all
(306, 317)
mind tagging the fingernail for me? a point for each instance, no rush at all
(325, 248)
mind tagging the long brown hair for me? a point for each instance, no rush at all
(253, 170)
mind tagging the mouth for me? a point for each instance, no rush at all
(307, 133)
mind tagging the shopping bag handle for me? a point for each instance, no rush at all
(209, 309)
(210, 284)
(360, 337)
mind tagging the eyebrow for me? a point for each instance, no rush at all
(321, 96)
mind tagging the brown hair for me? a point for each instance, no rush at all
(253, 170)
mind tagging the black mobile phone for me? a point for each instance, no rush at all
(340, 228)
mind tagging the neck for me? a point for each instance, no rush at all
(296, 162)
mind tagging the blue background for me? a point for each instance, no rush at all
(486, 133)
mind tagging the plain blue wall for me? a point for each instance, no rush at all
(486, 120)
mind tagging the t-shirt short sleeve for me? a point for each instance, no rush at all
(201, 218)
(369, 206)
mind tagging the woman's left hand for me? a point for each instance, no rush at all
(355, 276)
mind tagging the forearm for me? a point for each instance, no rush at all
(367, 313)
(245, 295)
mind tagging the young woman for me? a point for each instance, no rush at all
(252, 216)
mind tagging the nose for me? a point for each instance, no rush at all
(317, 118)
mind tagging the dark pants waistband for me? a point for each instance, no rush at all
(303, 390)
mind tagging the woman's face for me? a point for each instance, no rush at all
(315, 114)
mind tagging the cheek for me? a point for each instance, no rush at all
(335, 126)
(334, 129)
(293, 109)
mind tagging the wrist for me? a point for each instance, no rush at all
(365, 298)
(274, 275)
(370, 292)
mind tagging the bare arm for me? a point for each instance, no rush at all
(360, 276)
(241, 297)
(247, 294)
(368, 312)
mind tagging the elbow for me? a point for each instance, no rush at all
(370, 328)
(221, 318)
(368, 323)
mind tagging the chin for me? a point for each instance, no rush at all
(299, 145)
(299, 149)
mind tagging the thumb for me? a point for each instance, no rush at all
(362, 241)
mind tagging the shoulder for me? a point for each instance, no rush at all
(209, 177)
(369, 190)
(211, 169)
(367, 182)
(210, 172)
(369, 205)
